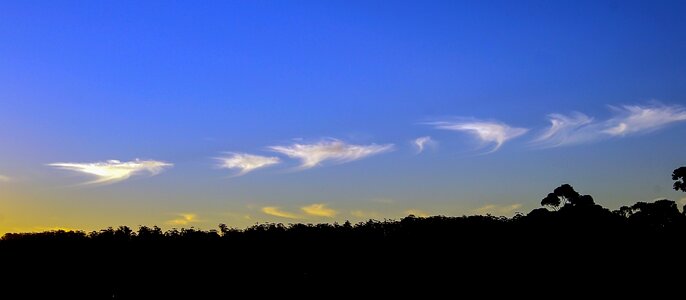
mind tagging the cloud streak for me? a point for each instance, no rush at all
(246, 163)
(319, 210)
(495, 133)
(570, 129)
(365, 214)
(632, 119)
(277, 212)
(183, 219)
(312, 155)
(4, 178)
(578, 128)
(112, 171)
(422, 142)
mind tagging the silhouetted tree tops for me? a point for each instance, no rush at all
(565, 195)
(552, 201)
(680, 176)
(570, 239)
(569, 207)
(566, 202)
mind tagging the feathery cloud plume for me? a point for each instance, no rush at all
(277, 212)
(4, 178)
(312, 155)
(636, 119)
(422, 142)
(567, 130)
(183, 219)
(319, 210)
(487, 132)
(246, 163)
(112, 171)
(578, 128)
(498, 209)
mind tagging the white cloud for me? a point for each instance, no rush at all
(246, 163)
(498, 209)
(682, 201)
(319, 210)
(113, 170)
(277, 212)
(4, 178)
(183, 219)
(636, 119)
(629, 119)
(422, 142)
(565, 130)
(312, 155)
(486, 132)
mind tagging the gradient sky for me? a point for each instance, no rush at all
(240, 112)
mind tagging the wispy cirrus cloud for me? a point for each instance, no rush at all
(495, 133)
(112, 171)
(277, 212)
(312, 155)
(632, 119)
(319, 210)
(498, 209)
(578, 128)
(4, 178)
(183, 219)
(569, 129)
(246, 163)
(422, 142)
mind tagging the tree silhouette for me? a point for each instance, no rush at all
(680, 176)
(624, 211)
(584, 200)
(552, 200)
(659, 214)
(561, 196)
(566, 193)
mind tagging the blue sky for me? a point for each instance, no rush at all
(184, 83)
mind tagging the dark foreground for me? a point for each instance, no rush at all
(579, 247)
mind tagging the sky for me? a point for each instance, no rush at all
(187, 113)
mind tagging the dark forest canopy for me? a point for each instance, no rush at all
(570, 240)
(566, 208)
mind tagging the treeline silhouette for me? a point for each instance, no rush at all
(571, 240)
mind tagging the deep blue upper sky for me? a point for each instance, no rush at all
(185, 81)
